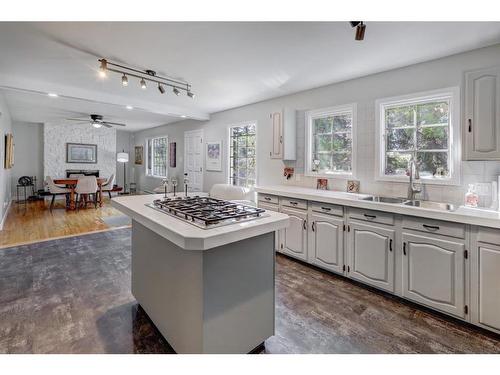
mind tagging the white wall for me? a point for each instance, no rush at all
(28, 154)
(57, 135)
(5, 186)
(436, 74)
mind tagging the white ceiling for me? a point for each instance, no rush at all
(228, 64)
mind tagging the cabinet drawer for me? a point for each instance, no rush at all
(444, 228)
(295, 203)
(372, 216)
(269, 206)
(488, 235)
(329, 209)
(268, 198)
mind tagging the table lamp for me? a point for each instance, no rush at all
(122, 157)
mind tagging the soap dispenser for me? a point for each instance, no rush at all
(471, 197)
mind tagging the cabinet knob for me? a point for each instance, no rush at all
(304, 225)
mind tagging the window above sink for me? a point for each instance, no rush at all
(425, 125)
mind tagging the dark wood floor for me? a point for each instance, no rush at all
(72, 295)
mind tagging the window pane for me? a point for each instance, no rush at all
(399, 116)
(433, 164)
(341, 162)
(242, 155)
(341, 142)
(323, 143)
(342, 122)
(433, 138)
(322, 125)
(325, 161)
(400, 139)
(432, 113)
(397, 163)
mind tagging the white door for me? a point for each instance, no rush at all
(482, 111)
(193, 159)
(326, 242)
(485, 292)
(433, 273)
(371, 255)
(294, 237)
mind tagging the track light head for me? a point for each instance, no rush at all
(143, 84)
(124, 80)
(103, 68)
(176, 91)
(360, 31)
(354, 23)
(191, 94)
(161, 88)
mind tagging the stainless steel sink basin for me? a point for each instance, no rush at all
(385, 199)
(431, 205)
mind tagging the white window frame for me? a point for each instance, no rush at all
(228, 138)
(313, 114)
(147, 157)
(453, 95)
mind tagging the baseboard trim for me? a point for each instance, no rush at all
(5, 214)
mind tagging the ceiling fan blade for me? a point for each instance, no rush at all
(106, 125)
(114, 123)
(78, 119)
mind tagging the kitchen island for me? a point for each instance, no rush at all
(206, 290)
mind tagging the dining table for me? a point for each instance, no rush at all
(71, 182)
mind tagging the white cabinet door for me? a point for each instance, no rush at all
(277, 126)
(326, 242)
(482, 111)
(294, 238)
(272, 207)
(371, 255)
(433, 273)
(485, 291)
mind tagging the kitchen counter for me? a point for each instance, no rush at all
(461, 215)
(188, 236)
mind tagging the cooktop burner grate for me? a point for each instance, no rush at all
(206, 212)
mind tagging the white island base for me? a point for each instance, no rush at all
(219, 300)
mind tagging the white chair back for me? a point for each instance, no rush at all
(86, 185)
(109, 183)
(230, 192)
(53, 188)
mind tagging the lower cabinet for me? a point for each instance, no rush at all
(485, 292)
(294, 237)
(326, 242)
(433, 272)
(371, 255)
(272, 207)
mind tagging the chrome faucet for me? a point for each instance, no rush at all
(413, 171)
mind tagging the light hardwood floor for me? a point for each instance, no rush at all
(34, 222)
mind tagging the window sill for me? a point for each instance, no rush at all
(424, 181)
(342, 176)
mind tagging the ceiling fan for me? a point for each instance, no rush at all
(97, 121)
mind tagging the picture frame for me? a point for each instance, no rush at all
(9, 151)
(139, 152)
(322, 184)
(81, 153)
(214, 156)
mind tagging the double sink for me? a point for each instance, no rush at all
(414, 203)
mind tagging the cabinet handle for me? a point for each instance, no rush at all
(267, 198)
(270, 153)
(390, 244)
(304, 225)
(281, 139)
(326, 208)
(404, 248)
(370, 216)
(431, 227)
(293, 203)
(470, 126)
(313, 227)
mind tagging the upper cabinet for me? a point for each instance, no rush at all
(482, 111)
(283, 132)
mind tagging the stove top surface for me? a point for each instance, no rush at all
(206, 212)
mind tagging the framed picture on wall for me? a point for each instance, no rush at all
(139, 152)
(81, 153)
(9, 151)
(214, 156)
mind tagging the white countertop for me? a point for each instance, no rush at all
(188, 236)
(461, 215)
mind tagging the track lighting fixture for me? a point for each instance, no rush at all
(143, 76)
(103, 68)
(360, 29)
